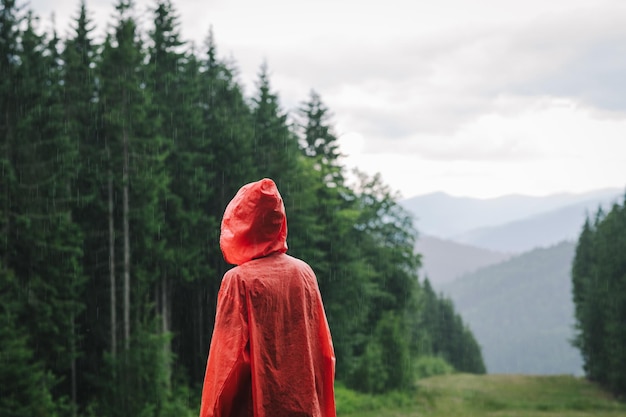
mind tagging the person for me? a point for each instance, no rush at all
(271, 353)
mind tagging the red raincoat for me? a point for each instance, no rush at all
(271, 354)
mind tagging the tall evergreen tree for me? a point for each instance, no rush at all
(43, 246)
(137, 174)
(590, 295)
(583, 271)
(322, 226)
(598, 288)
(614, 260)
(10, 20)
(177, 119)
(24, 389)
(316, 212)
(320, 142)
(209, 163)
(275, 148)
(80, 120)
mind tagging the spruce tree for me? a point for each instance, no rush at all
(82, 124)
(10, 20)
(176, 118)
(319, 140)
(276, 152)
(582, 272)
(43, 245)
(591, 297)
(610, 249)
(135, 166)
(322, 228)
(211, 159)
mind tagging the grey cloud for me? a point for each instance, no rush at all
(588, 54)
(596, 76)
(451, 78)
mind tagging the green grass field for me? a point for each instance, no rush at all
(462, 395)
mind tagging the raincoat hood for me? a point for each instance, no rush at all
(254, 223)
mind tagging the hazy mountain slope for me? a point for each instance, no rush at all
(521, 312)
(442, 215)
(445, 260)
(537, 231)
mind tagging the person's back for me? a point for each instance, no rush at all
(271, 352)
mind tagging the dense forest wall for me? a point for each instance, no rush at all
(117, 160)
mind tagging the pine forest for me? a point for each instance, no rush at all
(117, 159)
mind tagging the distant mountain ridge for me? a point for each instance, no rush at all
(444, 260)
(506, 265)
(540, 230)
(446, 216)
(521, 312)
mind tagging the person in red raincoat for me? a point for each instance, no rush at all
(271, 354)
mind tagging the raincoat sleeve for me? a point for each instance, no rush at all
(227, 378)
(328, 396)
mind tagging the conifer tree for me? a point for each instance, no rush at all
(447, 336)
(94, 206)
(323, 198)
(582, 273)
(43, 246)
(614, 261)
(589, 287)
(599, 283)
(176, 118)
(320, 142)
(24, 388)
(211, 159)
(24, 385)
(80, 119)
(136, 170)
(387, 240)
(10, 20)
(322, 225)
(275, 147)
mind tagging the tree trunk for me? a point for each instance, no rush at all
(126, 244)
(165, 320)
(73, 365)
(112, 267)
(72, 335)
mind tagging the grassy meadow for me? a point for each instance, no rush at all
(463, 395)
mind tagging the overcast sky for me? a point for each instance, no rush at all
(477, 98)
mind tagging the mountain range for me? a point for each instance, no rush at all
(445, 260)
(460, 234)
(521, 312)
(461, 218)
(505, 263)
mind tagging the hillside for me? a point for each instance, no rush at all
(540, 230)
(463, 395)
(445, 260)
(515, 395)
(521, 312)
